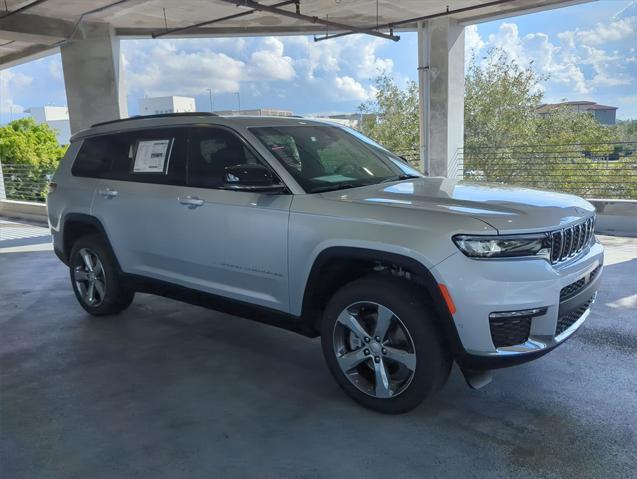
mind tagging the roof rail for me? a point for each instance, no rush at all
(161, 115)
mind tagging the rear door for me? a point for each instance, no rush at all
(137, 199)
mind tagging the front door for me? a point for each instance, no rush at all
(232, 243)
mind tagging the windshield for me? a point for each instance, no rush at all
(324, 158)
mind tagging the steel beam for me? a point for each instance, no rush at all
(310, 19)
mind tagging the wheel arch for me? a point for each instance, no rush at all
(76, 225)
(338, 265)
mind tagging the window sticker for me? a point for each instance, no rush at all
(152, 156)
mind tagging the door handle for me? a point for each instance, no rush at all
(108, 193)
(190, 201)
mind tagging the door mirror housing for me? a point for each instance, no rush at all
(250, 177)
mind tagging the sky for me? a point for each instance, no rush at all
(589, 51)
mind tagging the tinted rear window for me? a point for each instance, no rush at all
(94, 158)
(145, 156)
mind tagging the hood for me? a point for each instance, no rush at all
(508, 209)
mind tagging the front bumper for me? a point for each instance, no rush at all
(481, 287)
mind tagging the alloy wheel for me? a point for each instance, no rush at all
(374, 349)
(89, 277)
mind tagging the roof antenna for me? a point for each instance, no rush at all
(165, 21)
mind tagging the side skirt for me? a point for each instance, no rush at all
(215, 302)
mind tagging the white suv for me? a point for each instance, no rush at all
(315, 228)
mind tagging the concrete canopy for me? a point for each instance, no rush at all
(34, 28)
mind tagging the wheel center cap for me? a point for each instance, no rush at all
(375, 347)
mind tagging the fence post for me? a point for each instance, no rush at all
(3, 192)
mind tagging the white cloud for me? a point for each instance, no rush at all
(349, 89)
(629, 99)
(340, 70)
(55, 69)
(575, 60)
(602, 33)
(269, 63)
(164, 69)
(10, 84)
(473, 42)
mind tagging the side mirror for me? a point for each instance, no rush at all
(249, 177)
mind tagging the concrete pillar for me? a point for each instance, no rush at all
(3, 192)
(446, 97)
(93, 76)
(423, 94)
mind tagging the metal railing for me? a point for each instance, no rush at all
(23, 182)
(601, 170)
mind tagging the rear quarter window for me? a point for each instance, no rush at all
(93, 159)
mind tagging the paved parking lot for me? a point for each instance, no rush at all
(168, 390)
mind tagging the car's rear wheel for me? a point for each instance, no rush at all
(381, 344)
(95, 278)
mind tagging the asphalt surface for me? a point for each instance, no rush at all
(168, 390)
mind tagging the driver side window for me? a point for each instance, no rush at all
(211, 151)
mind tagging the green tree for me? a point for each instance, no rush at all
(500, 101)
(25, 142)
(28, 152)
(391, 118)
(507, 141)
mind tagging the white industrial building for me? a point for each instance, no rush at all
(166, 104)
(57, 117)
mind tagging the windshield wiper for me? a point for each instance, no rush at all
(399, 178)
(340, 186)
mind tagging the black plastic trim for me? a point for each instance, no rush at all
(238, 308)
(445, 320)
(91, 221)
(159, 115)
(583, 295)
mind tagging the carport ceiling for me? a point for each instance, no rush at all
(32, 28)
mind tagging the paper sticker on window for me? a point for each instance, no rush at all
(152, 156)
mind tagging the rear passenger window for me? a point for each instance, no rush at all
(150, 156)
(145, 156)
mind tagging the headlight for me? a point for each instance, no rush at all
(514, 246)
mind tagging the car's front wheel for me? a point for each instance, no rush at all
(95, 278)
(381, 344)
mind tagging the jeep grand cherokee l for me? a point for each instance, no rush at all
(313, 227)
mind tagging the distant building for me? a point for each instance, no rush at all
(57, 117)
(602, 113)
(166, 104)
(255, 112)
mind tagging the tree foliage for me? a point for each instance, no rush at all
(29, 154)
(25, 142)
(506, 140)
(500, 102)
(391, 118)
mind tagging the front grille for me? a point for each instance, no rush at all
(568, 242)
(567, 320)
(574, 288)
(508, 332)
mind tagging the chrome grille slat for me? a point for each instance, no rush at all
(569, 242)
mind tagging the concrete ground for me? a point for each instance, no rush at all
(168, 390)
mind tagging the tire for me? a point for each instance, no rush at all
(109, 295)
(412, 341)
